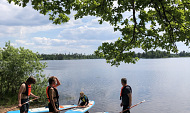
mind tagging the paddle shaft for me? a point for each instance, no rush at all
(18, 106)
(68, 108)
(133, 106)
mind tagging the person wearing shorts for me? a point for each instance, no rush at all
(25, 93)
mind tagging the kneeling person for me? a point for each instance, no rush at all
(84, 99)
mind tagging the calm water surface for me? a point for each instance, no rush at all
(163, 83)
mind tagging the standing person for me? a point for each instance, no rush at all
(52, 94)
(125, 95)
(24, 93)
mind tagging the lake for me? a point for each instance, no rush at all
(163, 83)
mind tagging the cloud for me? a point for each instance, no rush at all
(52, 42)
(54, 45)
(6, 31)
(18, 22)
(23, 42)
(23, 31)
(86, 32)
(13, 15)
(48, 46)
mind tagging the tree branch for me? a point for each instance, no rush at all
(171, 28)
(135, 21)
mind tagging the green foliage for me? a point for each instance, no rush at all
(67, 56)
(155, 54)
(39, 88)
(153, 23)
(161, 54)
(16, 65)
(148, 54)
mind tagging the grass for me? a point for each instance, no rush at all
(8, 102)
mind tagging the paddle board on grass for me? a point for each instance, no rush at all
(43, 109)
(82, 110)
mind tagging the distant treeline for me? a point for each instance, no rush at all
(149, 54)
(161, 54)
(68, 56)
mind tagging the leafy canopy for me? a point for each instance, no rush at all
(153, 23)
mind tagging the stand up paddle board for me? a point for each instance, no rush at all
(82, 110)
(61, 107)
(43, 109)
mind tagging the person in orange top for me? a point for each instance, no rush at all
(24, 93)
(52, 94)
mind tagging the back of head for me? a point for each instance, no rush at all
(124, 80)
(31, 80)
(51, 80)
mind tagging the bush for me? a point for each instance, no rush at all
(16, 65)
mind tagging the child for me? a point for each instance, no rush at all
(84, 99)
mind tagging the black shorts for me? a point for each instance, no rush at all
(82, 103)
(25, 107)
(51, 109)
(126, 107)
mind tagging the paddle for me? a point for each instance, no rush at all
(68, 108)
(132, 106)
(18, 106)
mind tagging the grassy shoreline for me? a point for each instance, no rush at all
(6, 107)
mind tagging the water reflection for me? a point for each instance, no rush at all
(164, 83)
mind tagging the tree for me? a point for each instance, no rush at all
(16, 65)
(168, 20)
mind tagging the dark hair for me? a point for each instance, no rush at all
(124, 80)
(51, 79)
(31, 80)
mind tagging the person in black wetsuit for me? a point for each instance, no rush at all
(84, 100)
(125, 95)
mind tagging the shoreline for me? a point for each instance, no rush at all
(5, 108)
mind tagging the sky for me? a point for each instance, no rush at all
(26, 27)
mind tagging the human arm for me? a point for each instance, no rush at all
(58, 83)
(86, 101)
(130, 99)
(31, 94)
(86, 104)
(20, 94)
(51, 96)
(121, 104)
(78, 101)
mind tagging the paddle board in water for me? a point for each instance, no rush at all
(43, 109)
(81, 110)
